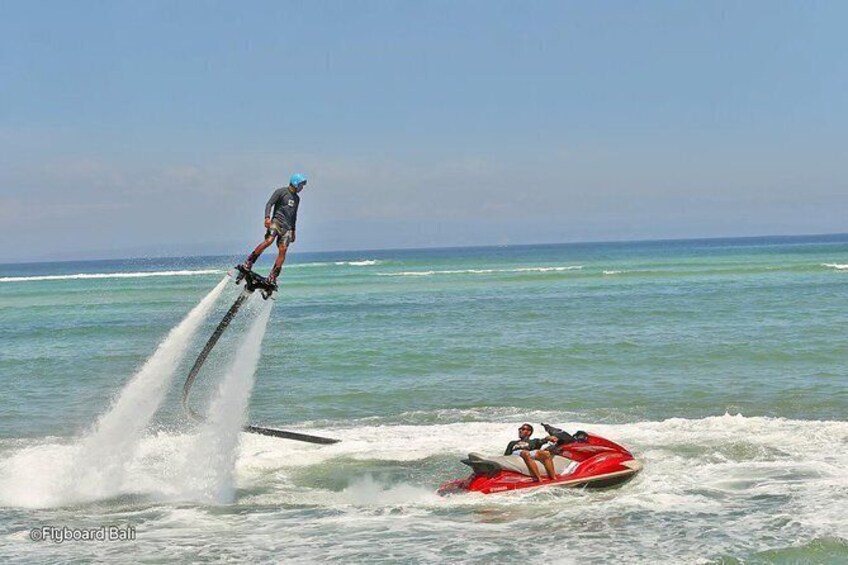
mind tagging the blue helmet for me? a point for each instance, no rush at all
(297, 179)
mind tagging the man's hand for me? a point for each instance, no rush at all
(268, 223)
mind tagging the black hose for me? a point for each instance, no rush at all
(210, 344)
(201, 359)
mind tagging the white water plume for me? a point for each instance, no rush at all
(96, 466)
(210, 461)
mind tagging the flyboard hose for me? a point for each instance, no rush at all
(252, 282)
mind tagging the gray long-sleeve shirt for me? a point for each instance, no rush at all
(284, 203)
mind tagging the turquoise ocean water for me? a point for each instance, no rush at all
(720, 363)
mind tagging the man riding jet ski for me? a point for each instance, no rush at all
(579, 460)
(530, 450)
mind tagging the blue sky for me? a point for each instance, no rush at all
(133, 128)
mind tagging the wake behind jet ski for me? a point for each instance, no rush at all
(582, 460)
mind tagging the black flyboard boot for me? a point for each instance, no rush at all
(253, 281)
(241, 272)
(246, 267)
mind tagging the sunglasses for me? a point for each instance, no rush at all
(522, 428)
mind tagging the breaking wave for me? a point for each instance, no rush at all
(136, 275)
(365, 263)
(482, 271)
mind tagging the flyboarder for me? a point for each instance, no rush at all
(280, 224)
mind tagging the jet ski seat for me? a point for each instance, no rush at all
(490, 464)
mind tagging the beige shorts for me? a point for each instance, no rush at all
(283, 236)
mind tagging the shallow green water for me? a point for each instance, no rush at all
(403, 353)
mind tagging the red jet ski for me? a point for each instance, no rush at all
(582, 460)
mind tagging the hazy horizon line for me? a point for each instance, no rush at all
(4, 261)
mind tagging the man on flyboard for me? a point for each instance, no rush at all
(280, 224)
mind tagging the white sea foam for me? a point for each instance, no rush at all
(135, 275)
(678, 450)
(613, 272)
(482, 271)
(369, 491)
(837, 266)
(751, 475)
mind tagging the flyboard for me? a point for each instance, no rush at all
(252, 283)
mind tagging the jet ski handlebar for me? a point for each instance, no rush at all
(563, 437)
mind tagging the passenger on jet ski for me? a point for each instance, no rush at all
(532, 448)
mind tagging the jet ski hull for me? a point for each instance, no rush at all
(595, 463)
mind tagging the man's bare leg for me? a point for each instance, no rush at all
(278, 264)
(548, 461)
(531, 466)
(251, 259)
